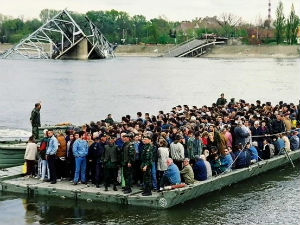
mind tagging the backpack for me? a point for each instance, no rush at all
(43, 146)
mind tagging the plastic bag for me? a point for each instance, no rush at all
(24, 168)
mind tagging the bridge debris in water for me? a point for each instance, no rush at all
(194, 47)
(62, 38)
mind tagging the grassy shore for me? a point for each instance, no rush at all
(228, 51)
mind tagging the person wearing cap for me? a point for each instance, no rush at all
(36, 120)
(146, 165)
(128, 157)
(110, 161)
(187, 172)
(221, 101)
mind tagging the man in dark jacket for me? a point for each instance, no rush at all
(36, 120)
(221, 101)
(110, 160)
(146, 165)
(96, 150)
(277, 125)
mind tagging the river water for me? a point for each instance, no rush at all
(81, 91)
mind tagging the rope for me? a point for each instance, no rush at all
(227, 169)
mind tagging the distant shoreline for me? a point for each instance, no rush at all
(227, 51)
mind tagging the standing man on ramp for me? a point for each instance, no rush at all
(36, 120)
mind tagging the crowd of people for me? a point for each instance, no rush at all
(185, 145)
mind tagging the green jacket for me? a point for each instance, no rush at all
(147, 156)
(110, 156)
(188, 174)
(109, 120)
(221, 101)
(191, 148)
(128, 153)
(35, 118)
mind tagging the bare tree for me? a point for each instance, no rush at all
(228, 19)
(229, 22)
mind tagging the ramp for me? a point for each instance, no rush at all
(62, 38)
(192, 48)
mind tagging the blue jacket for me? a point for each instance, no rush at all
(226, 162)
(200, 171)
(243, 159)
(173, 174)
(294, 142)
(254, 153)
(80, 148)
(240, 135)
(52, 147)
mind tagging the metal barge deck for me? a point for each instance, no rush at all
(11, 181)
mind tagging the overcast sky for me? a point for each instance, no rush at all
(249, 10)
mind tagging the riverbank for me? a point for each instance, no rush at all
(221, 51)
(254, 51)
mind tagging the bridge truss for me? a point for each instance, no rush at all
(58, 36)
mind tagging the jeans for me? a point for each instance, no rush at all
(80, 169)
(51, 164)
(154, 178)
(44, 169)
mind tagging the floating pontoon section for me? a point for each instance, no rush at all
(62, 38)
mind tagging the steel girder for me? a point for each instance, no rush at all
(56, 37)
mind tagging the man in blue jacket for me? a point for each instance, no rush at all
(242, 157)
(80, 151)
(200, 171)
(171, 175)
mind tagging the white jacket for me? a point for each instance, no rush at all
(31, 151)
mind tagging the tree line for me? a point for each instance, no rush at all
(286, 28)
(121, 28)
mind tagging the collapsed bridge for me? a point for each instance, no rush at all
(62, 38)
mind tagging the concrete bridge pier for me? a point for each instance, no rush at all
(79, 51)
